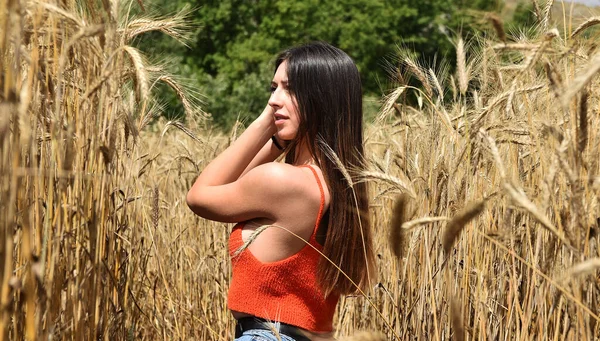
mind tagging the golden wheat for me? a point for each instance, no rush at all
(585, 25)
(96, 241)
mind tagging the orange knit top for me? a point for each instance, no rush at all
(286, 290)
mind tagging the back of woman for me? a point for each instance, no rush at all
(300, 222)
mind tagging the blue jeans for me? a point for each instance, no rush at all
(262, 335)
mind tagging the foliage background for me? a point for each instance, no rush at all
(233, 43)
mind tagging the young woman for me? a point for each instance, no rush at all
(310, 203)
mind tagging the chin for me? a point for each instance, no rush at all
(286, 136)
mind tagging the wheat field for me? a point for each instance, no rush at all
(484, 187)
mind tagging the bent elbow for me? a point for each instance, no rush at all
(194, 202)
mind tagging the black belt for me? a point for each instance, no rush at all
(251, 322)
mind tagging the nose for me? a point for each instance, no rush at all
(275, 101)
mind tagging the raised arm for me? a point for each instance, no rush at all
(268, 153)
(221, 192)
(231, 163)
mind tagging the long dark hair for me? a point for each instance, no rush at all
(327, 87)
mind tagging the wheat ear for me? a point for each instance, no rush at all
(461, 67)
(409, 225)
(498, 26)
(251, 239)
(389, 101)
(588, 23)
(546, 14)
(389, 179)
(583, 268)
(582, 79)
(522, 200)
(418, 72)
(141, 75)
(554, 79)
(399, 214)
(459, 221)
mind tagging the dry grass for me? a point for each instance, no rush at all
(96, 241)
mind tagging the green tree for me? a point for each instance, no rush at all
(230, 59)
(523, 17)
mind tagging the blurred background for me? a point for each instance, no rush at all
(231, 44)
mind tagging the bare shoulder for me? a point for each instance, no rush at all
(289, 184)
(254, 194)
(295, 192)
(282, 179)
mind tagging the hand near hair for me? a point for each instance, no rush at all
(231, 163)
(224, 176)
(270, 151)
(268, 117)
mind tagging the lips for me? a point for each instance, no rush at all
(280, 117)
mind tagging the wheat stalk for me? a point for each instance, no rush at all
(155, 208)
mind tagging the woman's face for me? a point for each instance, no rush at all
(284, 105)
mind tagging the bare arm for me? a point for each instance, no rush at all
(220, 192)
(268, 153)
(229, 165)
(251, 196)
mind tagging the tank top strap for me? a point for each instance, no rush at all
(321, 206)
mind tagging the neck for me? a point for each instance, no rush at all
(303, 156)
